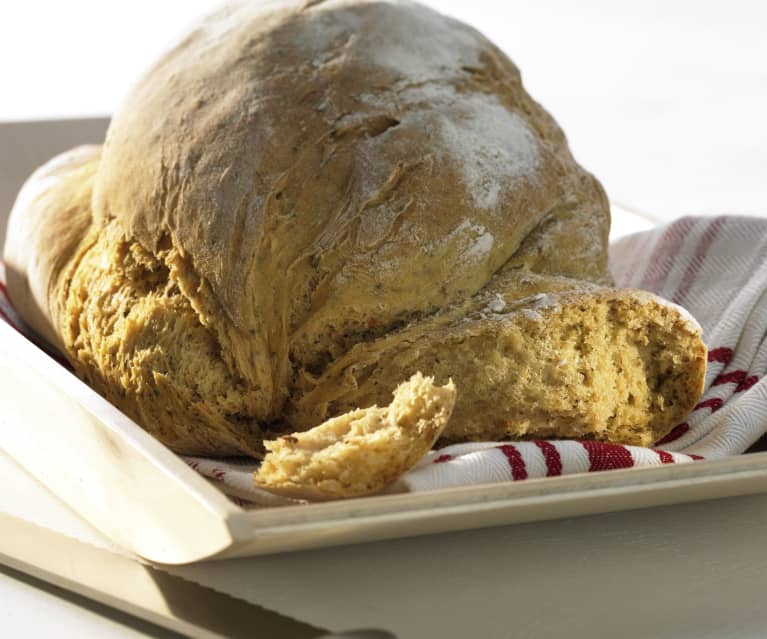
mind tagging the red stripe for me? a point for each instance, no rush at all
(714, 404)
(665, 458)
(695, 457)
(675, 433)
(747, 383)
(665, 252)
(722, 355)
(553, 460)
(516, 463)
(735, 377)
(693, 268)
(442, 458)
(604, 456)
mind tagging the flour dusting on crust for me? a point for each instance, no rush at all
(492, 146)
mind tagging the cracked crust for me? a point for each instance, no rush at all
(302, 203)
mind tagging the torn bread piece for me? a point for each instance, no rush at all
(362, 451)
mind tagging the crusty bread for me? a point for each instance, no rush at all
(362, 451)
(302, 204)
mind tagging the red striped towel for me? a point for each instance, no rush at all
(717, 269)
(714, 267)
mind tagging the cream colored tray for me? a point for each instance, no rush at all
(146, 499)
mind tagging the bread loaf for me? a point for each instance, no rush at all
(302, 204)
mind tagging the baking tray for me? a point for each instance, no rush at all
(146, 499)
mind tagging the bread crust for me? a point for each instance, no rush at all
(301, 204)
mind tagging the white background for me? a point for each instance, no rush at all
(665, 101)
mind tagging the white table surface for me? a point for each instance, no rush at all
(665, 102)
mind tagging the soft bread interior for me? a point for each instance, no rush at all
(362, 451)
